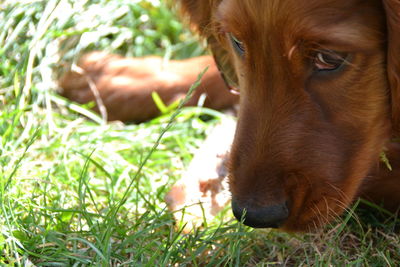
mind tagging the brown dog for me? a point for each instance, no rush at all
(319, 102)
(319, 84)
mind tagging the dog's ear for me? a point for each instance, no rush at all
(199, 12)
(392, 8)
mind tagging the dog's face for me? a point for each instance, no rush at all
(315, 105)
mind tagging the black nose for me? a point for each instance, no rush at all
(272, 216)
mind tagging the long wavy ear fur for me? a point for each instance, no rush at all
(392, 8)
(200, 13)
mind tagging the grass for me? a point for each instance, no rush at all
(74, 191)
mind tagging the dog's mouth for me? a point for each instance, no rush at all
(314, 216)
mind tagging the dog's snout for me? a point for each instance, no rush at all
(271, 216)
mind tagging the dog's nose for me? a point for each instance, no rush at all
(272, 216)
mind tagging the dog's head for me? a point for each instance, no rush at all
(319, 88)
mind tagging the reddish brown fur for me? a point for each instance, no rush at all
(308, 138)
(125, 85)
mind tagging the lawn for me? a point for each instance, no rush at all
(76, 191)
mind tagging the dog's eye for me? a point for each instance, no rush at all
(329, 60)
(237, 44)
